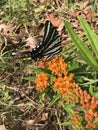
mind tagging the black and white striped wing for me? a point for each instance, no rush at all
(51, 44)
(51, 40)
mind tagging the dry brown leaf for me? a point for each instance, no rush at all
(8, 32)
(31, 42)
(77, 13)
(44, 116)
(2, 127)
(52, 17)
(89, 15)
(6, 29)
(14, 38)
(61, 26)
(75, 24)
(37, 122)
(29, 122)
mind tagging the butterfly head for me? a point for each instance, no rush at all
(33, 56)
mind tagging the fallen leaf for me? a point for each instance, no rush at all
(44, 116)
(61, 26)
(89, 15)
(8, 32)
(2, 127)
(29, 122)
(77, 13)
(14, 38)
(6, 29)
(52, 17)
(31, 43)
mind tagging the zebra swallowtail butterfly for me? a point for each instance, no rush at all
(49, 46)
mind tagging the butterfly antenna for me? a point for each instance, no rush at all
(20, 53)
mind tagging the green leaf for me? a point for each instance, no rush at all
(39, 70)
(68, 107)
(3, 65)
(39, 9)
(89, 81)
(30, 78)
(55, 98)
(91, 90)
(66, 123)
(84, 51)
(92, 37)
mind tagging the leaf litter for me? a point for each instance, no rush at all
(27, 111)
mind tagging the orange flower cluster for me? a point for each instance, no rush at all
(65, 85)
(62, 81)
(58, 67)
(41, 82)
(75, 120)
(91, 116)
(90, 104)
(71, 96)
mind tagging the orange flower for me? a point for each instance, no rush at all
(62, 84)
(75, 120)
(41, 82)
(90, 121)
(43, 63)
(57, 66)
(96, 119)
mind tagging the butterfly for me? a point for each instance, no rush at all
(49, 46)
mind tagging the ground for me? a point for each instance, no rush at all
(21, 27)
